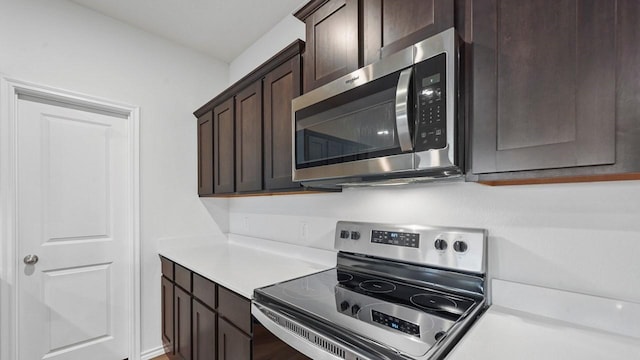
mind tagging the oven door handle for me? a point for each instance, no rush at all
(402, 110)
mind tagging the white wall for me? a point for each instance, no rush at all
(579, 237)
(59, 44)
(276, 39)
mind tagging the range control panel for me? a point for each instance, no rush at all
(396, 238)
(395, 323)
(453, 248)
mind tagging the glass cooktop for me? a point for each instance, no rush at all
(403, 316)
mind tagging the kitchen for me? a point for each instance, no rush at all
(578, 237)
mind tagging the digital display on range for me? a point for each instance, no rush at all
(395, 323)
(396, 238)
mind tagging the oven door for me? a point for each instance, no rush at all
(267, 346)
(308, 343)
(358, 125)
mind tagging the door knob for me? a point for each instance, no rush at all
(30, 259)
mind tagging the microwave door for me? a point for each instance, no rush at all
(352, 134)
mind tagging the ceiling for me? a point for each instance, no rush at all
(220, 28)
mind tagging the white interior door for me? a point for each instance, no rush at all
(72, 174)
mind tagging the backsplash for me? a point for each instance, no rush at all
(581, 237)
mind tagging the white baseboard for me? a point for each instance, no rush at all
(150, 354)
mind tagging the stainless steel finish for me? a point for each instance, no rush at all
(324, 315)
(438, 160)
(387, 164)
(444, 42)
(402, 110)
(303, 338)
(429, 325)
(386, 66)
(471, 285)
(434, 159)
(31, 259)
(473, 260)
(453, 176)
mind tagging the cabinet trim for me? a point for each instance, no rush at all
(293, 49)
(309, 9)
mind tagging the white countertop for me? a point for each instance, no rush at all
(243, 264)
(551, 325)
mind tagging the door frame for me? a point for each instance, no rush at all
(10, 89)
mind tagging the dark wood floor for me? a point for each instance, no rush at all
(161, 357)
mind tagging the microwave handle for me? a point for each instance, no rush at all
(402, 110)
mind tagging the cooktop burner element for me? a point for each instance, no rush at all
(385, 299)
(377, 286)
(344, 277)
(433, 302)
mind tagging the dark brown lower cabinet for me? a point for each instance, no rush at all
(203, 334)
(203, 321)
(182, 316)
(233, 344)
(166, 300)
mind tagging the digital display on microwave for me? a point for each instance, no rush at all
(433, 79)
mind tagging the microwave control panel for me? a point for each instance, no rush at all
(431, 110)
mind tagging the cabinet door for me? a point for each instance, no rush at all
(392, 25)
(182, 313)
(544, 84)
(205, 154)
(166, 301)
(224, 148)
(204, 332)
(332, 43)
(280, 87)
(249, 138)
(233, 344)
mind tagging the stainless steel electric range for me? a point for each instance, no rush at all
(398, 292)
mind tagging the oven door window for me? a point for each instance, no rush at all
(355, 125)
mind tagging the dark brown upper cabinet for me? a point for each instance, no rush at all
(249, 138)
(554, 88)
(280, 87)
(332, 42)
(252, 130)
(344, 35)
(205, 154)
(392, 25)
(224, 147)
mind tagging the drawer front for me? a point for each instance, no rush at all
(167, 268)
(183, 277)
(204, 290)
(235, 308)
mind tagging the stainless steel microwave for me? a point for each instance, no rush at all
(394, 120)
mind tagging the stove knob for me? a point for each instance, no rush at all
(355, 235)
(460, 246)
(355, 309)
(344, 234)
(344, 305)
(440, 244)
